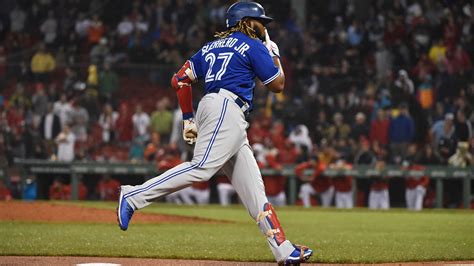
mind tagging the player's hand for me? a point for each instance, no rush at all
(189, 131)
(271, 45)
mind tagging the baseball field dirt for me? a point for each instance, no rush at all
(67, 233)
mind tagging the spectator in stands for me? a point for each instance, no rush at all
(137, 149)
(437, 52)
(401, 132)
(378, 195)
(404, 83)
(124, 125)
(17, 19)
(364, 155)
(39, 102)
(162, 119)
(65, 141)
(79, 119)
(50, 127)
(108, 188)
(154, 150)
(462, 157)
(82, 25)
(360, 129)
(444, 137)
(49, 29)
(20, 98)
(428, 156)
(107, 121)
(42, 64)
(99, 52)
(425, 93)
(141, 123)
(125, 28)
(462, 126)
(95, 31)
(108, 84)
(379, 128)
(339, 129)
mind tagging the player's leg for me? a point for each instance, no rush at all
(306, 191)
(218, 139)
(280, 199)
(348, 200)
(174, 198)
(419, 196)
(201, 196)
(186, 195)
(372, 200)
(245, 176)
(385, 200)
(409, 197)
(339, 200)
(327, 196)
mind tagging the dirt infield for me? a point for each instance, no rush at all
(18, 260)
(50, 212)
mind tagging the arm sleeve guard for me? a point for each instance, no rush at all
(181, 83)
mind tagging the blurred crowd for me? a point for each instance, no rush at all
(366, 81)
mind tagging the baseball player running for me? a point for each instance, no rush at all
(228, 67)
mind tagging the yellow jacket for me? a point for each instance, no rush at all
(42, 63)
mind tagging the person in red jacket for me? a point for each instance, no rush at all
(415, 187)
(379, 128)
(315, 184)
(343, 186)
(378, 195)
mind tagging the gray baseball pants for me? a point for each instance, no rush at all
(221, 144)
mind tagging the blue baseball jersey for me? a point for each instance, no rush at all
(232, 63)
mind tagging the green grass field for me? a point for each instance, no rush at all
(357, 236)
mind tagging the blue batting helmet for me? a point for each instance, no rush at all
(240, 10)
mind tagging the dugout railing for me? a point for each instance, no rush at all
(78, 169)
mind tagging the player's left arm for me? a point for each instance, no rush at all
(278, 84)
(265, 60)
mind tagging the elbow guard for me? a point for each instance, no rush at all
(184, 77)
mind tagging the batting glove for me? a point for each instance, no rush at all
(271, 45)
(189, 131)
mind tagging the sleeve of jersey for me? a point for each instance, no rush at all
(262, 63)
(196, 66)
